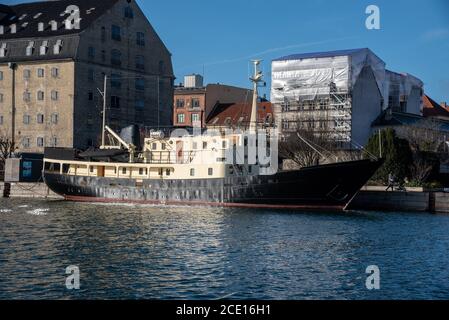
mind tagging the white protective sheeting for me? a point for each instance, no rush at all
(306, 78)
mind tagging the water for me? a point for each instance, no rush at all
(143, 252)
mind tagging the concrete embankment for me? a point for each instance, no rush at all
(29, 190)
(414, 200)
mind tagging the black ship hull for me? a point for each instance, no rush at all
(322, 187)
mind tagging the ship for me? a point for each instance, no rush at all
(215, 169)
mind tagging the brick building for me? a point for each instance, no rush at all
(194, 103)
(51, 72)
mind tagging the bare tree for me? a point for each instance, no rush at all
(7, 148)
(306, 147)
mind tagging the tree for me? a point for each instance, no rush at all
(306, 148)
(395, 151)
(7, 148)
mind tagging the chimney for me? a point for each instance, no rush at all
(444, 105)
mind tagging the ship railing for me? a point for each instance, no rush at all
(170, 157)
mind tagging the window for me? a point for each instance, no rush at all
(211, 171)
(91, 53)
(129, 13)
(181, 118)
(1, 120)
(27, 96)
(40, 118)
(103, 55)
(1, 97)
(26, 142)
(1, 75)
(195, 145)
(91, 75)
(90, 96)
(58, 47)
(54, 95)
(55, 72)
(140, 63)
(140, 103)
(204, 145)
(116, 57)
(54, 118)
(40, 73)
(163, 146)
(195, 117)
(26, 74)
(116, 81)
(180, 103)
(123, 170)
(3, 50)
(103, 34)
(140, 39)
(141, 171)
(116, 33)
(54, 142)
(40, 95)
(26, 119)
(154, 146)
(40, 142)
(167, 172)
(30, 48)
(115, 102)
(140, 84)
(224, 144)
(195, 103)
(192, 172)
(43, 48)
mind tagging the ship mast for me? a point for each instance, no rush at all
(255, 80)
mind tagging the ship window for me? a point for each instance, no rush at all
(91, 169)
(124, 171)
(192, 172)
(195, 146)
(168, 172)
(154, 147)
(250, 169)
(164, 146)
(211, 171)
(141, 171)
(204, 145)
(224, 144)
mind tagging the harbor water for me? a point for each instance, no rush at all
(145, 252)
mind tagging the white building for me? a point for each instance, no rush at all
(339, 93)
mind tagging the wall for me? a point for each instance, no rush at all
(62, 107)
(366, 106)
(226, 94)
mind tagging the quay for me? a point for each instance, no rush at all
(369, 198)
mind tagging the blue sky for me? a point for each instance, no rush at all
(220, 37)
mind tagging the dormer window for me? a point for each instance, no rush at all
(2, 29)
(54, 25)
(12, 18)
(30, 48)
(44, 48)
(57, 47)
(3, 50)
(23, 16)
(13, 28)
(40, 26)
(37, 15)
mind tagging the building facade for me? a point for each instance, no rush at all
(192, 105)
(339, 94)
(52, 72)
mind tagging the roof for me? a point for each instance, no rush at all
(327, 54)
(390, 119)
(235, 114)
(28, 15)
(433, 109)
